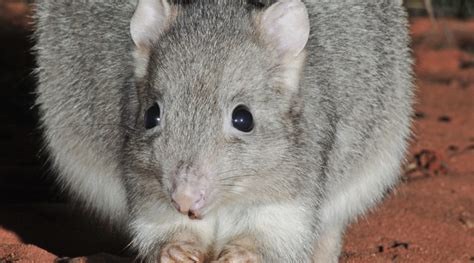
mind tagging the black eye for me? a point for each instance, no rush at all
(242, 119)
(152, 117)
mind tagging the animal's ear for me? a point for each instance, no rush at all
(285, 26)
(149, 21)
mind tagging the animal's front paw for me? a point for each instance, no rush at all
(237, 254)
(182, 252)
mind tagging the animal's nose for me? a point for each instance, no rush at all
(188, 201)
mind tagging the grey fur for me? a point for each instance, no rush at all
(312, 146)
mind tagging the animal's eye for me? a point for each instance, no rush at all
(152, 116)
(242, 119)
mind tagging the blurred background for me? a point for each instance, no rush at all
(430, 218)
(461, 9)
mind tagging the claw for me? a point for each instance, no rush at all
(181, 252)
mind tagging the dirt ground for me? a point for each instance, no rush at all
(428, 218)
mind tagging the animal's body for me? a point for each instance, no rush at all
(139, 107)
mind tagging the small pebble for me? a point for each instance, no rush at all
(444, 118)
(380, 249)
(453, 148)
(420, 115)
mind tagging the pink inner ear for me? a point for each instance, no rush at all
(149, 21)
(285, 25)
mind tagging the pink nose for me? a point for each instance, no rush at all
(188, 201)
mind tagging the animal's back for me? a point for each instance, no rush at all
(359, 78)
(84, 63)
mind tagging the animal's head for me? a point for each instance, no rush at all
(216, 110)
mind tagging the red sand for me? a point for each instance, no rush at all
(429, 218)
